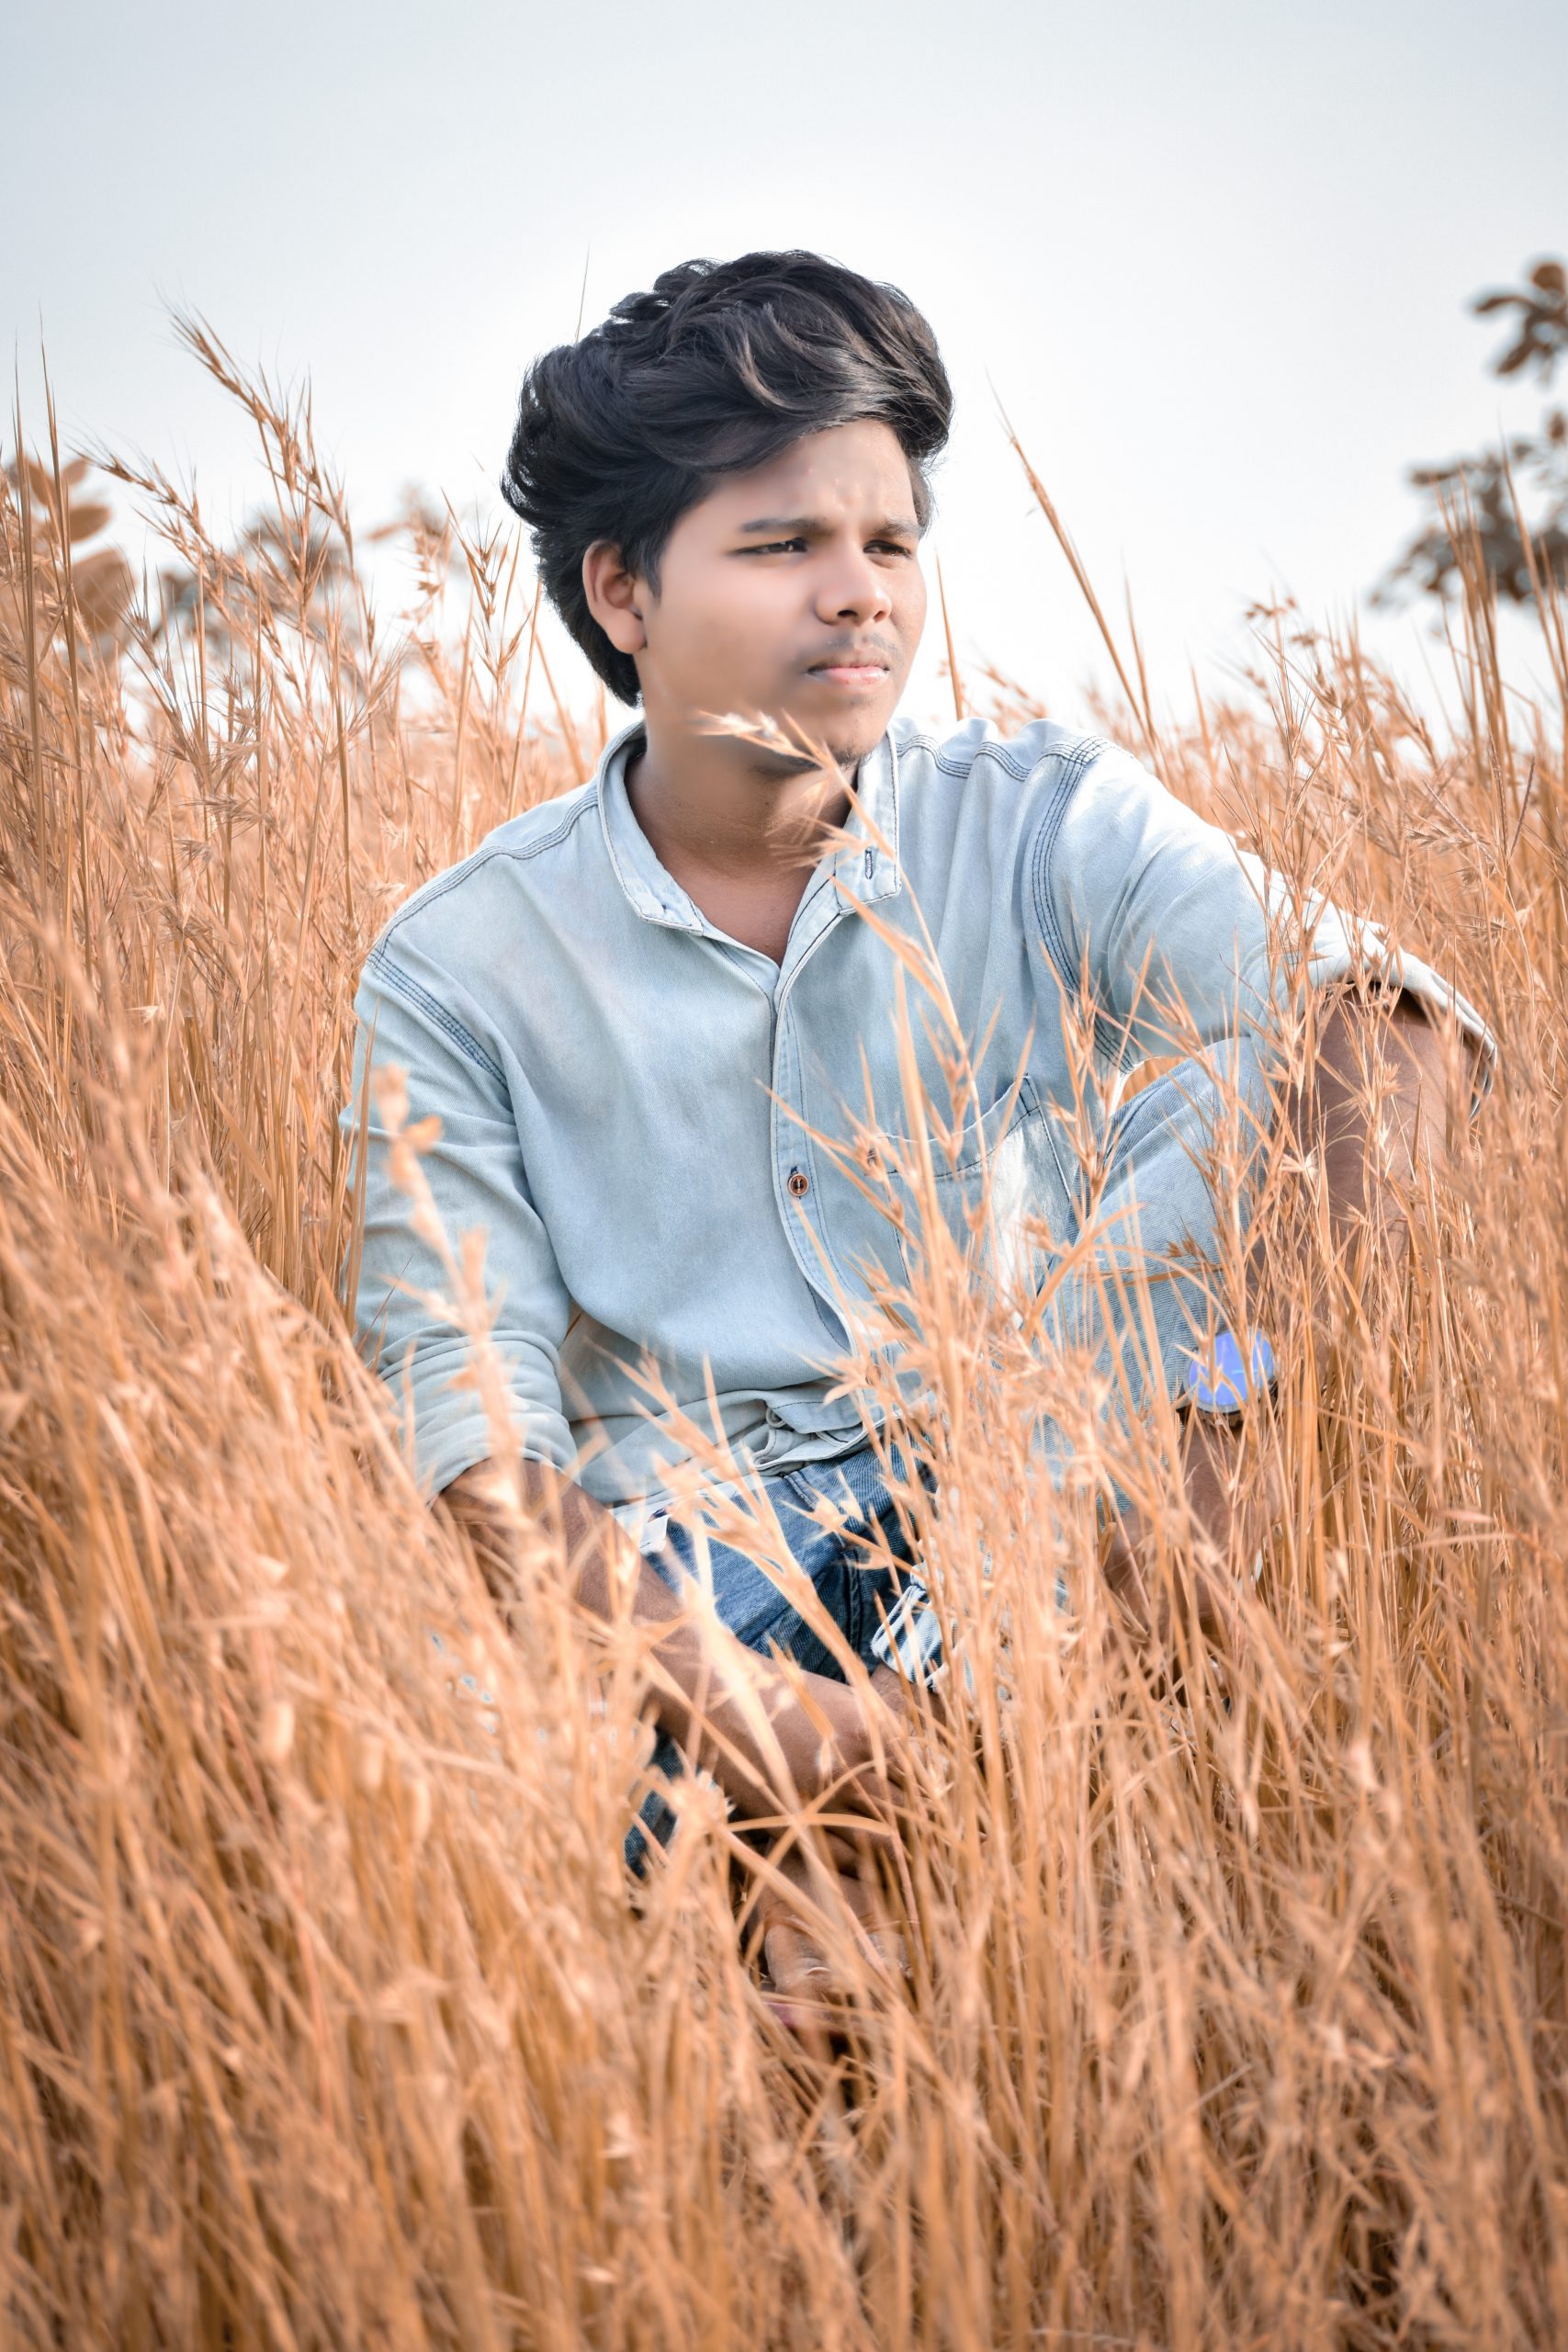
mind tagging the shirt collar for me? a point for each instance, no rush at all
(865, 866)
(654, 893)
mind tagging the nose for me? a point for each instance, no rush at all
(853, 589)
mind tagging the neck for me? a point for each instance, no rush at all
(730, 809)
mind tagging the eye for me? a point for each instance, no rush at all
(784, 546)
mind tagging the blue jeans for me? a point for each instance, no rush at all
(748, 1601)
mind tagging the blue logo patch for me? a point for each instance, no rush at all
(1223, 1380)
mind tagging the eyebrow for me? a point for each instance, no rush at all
(813, 526)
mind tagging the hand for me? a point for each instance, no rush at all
(1231, 1504)
(821, 1737)
(1146, 1599)
(799, 1919)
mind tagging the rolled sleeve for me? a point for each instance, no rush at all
(1190, 953)
(1183, 938)
(471, 1160)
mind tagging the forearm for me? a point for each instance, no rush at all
(1386, 1096)
(608, 1579)
(597, 1553)
(1377, 1107)
(707, 1701)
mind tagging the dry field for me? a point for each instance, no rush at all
(1233, 2018)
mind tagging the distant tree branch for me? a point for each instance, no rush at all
(1492, 501)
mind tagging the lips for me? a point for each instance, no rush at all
(851, 671)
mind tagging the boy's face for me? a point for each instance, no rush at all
(794, 590)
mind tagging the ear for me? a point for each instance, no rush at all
(614, 596)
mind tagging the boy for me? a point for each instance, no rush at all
(633, 1009)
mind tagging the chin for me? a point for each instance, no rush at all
(846, 735)
(864, 738)
(849, 755)
(850, 740)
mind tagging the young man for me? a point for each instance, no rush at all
(633, 1009)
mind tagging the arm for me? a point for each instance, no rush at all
(1178, 938)
(826, 1744)
(1380, 1102)
(447, 1210)
(1181, 942)
(1384, 1100)
(415, 1020)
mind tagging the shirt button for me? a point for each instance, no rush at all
(799, 1182)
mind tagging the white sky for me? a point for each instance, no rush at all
(1214, 258)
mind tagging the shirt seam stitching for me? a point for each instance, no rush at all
(481, 858)
(1021, 770)
(1045, 842)
(463, 1038)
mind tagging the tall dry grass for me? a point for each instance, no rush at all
(325, 2017)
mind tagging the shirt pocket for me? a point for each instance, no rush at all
(997, 1188)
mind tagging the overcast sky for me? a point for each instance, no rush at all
(1213, 259)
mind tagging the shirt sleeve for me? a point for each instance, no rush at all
(1181, 938)
(472, 1160)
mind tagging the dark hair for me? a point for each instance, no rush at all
(717, 370)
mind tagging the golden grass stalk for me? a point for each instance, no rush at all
(325, 2016)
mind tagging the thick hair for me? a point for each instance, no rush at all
(716, 370)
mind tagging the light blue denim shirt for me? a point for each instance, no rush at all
(682, 1156)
